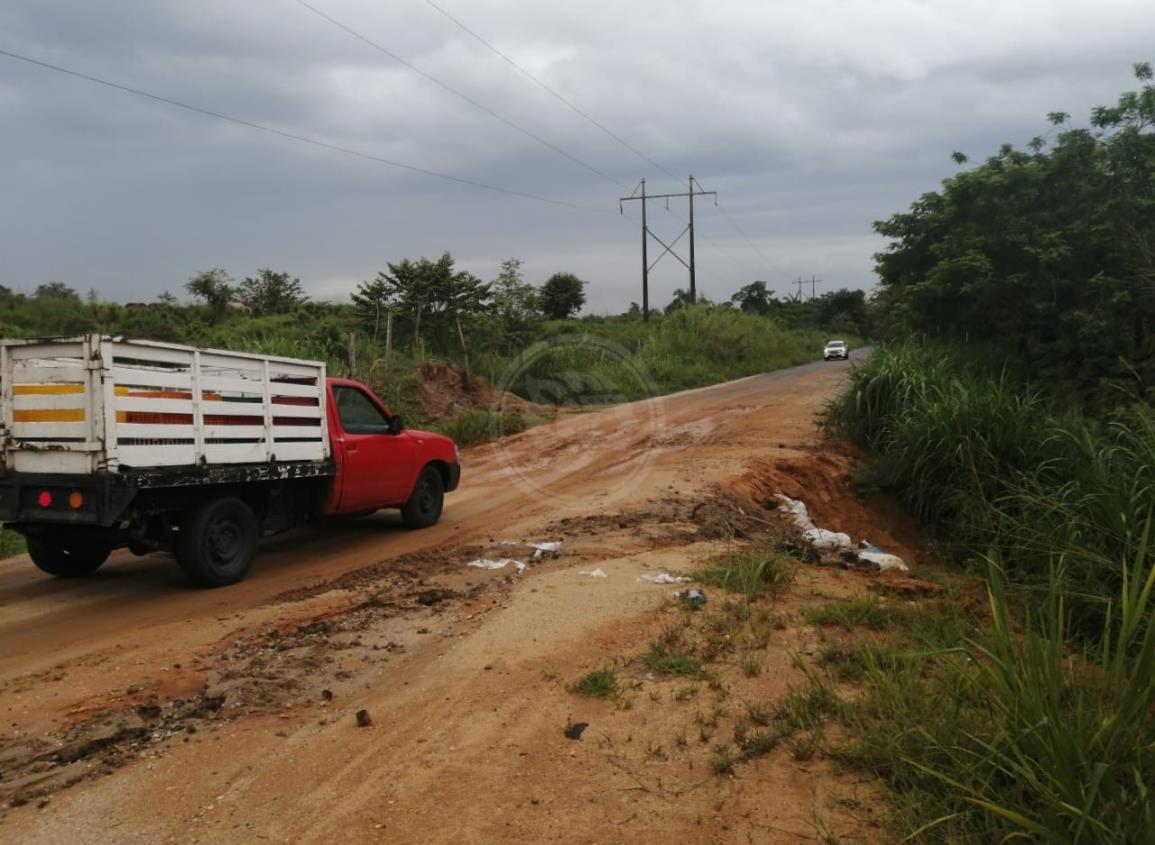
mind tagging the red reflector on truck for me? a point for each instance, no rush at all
(44, 499)
(75, 500)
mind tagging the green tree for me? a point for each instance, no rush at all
(428, 299)
(271, 293)
(681, 300)
(57, 290)
(562, 296)
(515, 306)
(754, 298)
(214, 288)
(1048, 255)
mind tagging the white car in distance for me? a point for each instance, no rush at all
(836, 350)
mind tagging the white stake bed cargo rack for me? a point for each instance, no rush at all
(139, 414)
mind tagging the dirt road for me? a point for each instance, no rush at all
(138, 710)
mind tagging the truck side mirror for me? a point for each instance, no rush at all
(396, 424)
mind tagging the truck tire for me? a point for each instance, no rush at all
(424, 506)
(69, 556)
(217, 542)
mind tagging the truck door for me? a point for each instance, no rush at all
(376, 467)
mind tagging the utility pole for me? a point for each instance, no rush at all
(695, 191)
(799, 283)
(813, 283)
(645, 261)
(693, 275)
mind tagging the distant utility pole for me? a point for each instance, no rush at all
(695, 191)
(813, 282)
(798, 282)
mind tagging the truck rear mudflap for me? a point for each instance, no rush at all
(63, 499)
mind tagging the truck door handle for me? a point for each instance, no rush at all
(350, 447)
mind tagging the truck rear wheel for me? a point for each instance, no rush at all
(424, 506)
(68, 556)
(217, 542)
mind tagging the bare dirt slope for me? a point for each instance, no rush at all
(137, 710)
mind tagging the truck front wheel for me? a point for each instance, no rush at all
(424, 506)
(217, 542)
(67, 556)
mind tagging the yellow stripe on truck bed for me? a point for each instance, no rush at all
(46, 389)
(50, 415)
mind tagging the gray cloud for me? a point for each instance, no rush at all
(811, 119)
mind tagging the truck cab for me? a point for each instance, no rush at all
(382, 464)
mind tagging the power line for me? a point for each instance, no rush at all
(295, 137)
(447, 87)
(559, 97)
(742, 232)
(562, 99)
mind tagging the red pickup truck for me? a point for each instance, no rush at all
(108, 443)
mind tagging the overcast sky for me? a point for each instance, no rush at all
(811, 118)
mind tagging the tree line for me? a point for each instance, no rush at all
(429, 306)
(1045, 255)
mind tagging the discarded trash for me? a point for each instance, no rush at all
(574, 731)
(874, 556)
(501, 563)
(692, 597)
(664, 578)
(540, 550)
(824, 540)
(883, 562)
(594, 573)
(819, 538)
(363, 719)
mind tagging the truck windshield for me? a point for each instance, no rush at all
(358, 413)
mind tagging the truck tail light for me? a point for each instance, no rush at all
(75, 500)
(44, 499)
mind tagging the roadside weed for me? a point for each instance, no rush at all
(669, 660)
(600, 683)
(752, 572)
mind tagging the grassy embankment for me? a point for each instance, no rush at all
(1034, 719)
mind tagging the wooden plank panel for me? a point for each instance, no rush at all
(212, 360)
(157, 456)
(300, 451)
(154, 406)
(73, 460)
(226, 384)
(39, 430)
(148, 352)
(311, 412)
(47, 389)
(142, 431)
(47, 350)
(44, 401)
(294, 369)
(297, 431)
(49, 415)
(123, 375)
(280, 388)
(27, 374)
(235, 453)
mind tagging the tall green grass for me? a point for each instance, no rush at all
(987, 462)
(1015, 736)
